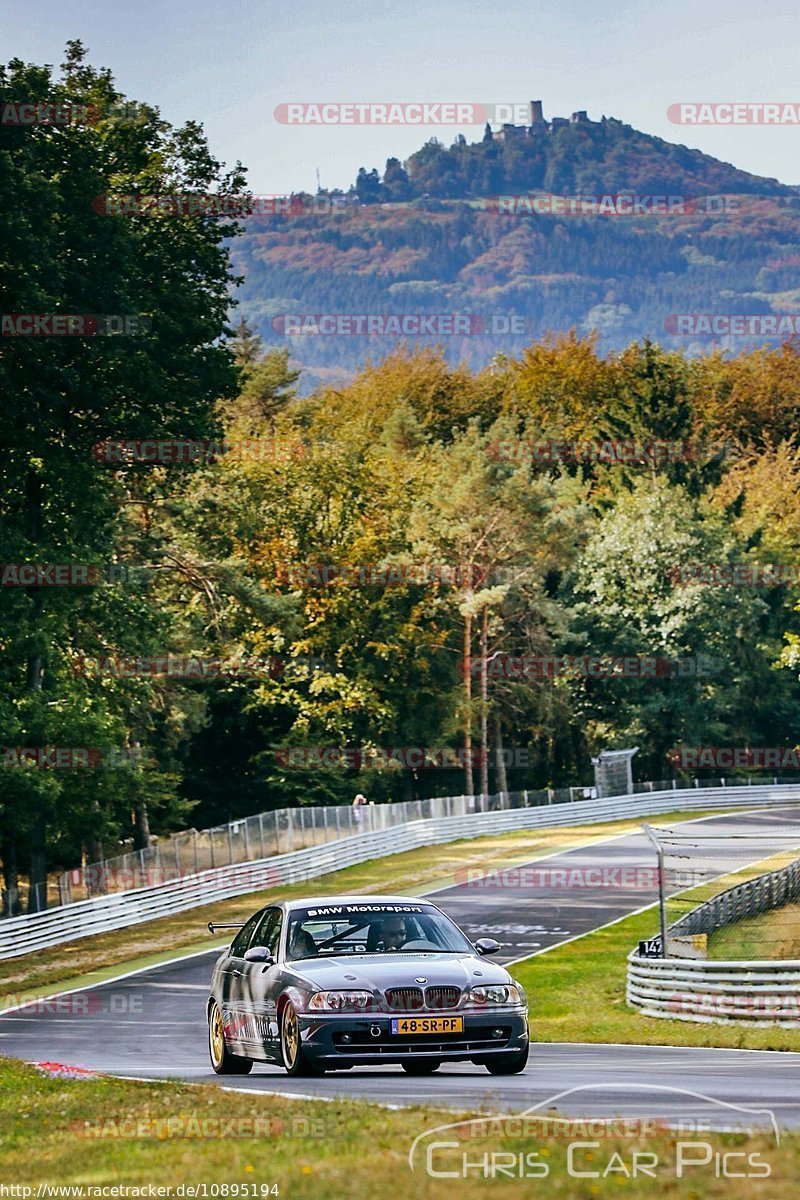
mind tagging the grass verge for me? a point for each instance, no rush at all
(577, 994)
(99, 1132)
(774, 934)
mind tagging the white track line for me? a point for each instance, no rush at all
(88, 987)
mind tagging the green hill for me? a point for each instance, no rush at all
(430, 236)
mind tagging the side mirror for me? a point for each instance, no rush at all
(484, 946)
(259, 954)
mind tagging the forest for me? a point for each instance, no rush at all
(224, 593)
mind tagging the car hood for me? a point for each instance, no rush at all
(376, 972)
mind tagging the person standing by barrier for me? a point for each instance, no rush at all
(358, 804)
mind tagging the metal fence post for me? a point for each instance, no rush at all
(261, 834)
(662, 906)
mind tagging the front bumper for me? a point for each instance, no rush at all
(331, 1040)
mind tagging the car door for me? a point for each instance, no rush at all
(258, 988)
(233, 1017)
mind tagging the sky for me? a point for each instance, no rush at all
(230, 64)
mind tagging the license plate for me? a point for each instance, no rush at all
(428, 1025)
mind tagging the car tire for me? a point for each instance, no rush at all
(294, 1059)
(421, 1066)
(507, 1064)
(222, 1061)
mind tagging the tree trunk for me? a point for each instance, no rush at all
(94, 852)
(8, 849)
(485, 701)
(141, 827)
(500, 762)
(141, 822)
(96, 881)
(468, 785)
(37, 870)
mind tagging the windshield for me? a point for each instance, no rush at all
(372, 929)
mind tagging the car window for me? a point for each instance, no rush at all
(269, 931)
(367, 928)
(242, 940)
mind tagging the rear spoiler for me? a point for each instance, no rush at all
(212, 928)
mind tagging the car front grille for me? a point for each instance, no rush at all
(407, 999)
(442, 997)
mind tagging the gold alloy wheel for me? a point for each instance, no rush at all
(216, 1035)
(290, 1037)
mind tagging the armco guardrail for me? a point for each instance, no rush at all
(748, 899)
(682, 989)
(765, 992)
(21, 935)
(278, 831)
(283, 830)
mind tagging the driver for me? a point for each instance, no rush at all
(394, 933)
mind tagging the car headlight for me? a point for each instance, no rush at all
(340, 1001)
(494, 994)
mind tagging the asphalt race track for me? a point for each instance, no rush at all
(152, 1024)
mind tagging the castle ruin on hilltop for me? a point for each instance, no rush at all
(537, 124)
